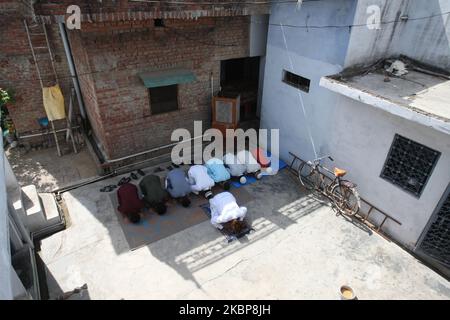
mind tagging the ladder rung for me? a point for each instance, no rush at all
(37, 34)
(49, 77)
(43, 55)
(40, 48)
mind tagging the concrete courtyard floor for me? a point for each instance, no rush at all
(47, 171)
(300, 250)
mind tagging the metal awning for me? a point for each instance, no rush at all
(160, 78)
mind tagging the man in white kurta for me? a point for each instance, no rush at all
(251, 165)
(234, 167)
(199, 179)
(224, 209)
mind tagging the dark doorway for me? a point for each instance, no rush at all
(241, 77)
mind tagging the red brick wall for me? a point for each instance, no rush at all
(108, 58)
(113, 10)
(87, 84)
(114, 53)
(17, 69)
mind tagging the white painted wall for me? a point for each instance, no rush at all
(5, 253)
(358, 136)
(303, 117)
(362, 137)
(426, 40)
(366, 45)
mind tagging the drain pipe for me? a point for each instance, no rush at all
(212, 85)
(111, 161)
(122, 169)
(73, 73)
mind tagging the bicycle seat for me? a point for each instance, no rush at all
(339, 172)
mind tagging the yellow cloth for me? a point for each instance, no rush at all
(54, 103)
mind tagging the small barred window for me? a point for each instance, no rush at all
(409, 165)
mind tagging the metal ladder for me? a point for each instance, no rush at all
(34, 31)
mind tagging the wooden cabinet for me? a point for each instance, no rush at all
(225, 113)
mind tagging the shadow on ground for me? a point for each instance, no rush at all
(47, 171)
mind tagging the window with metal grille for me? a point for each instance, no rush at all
(436, 242)
(296, 81)
(163, 99)
(409, 165)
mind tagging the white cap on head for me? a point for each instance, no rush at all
(243, 180)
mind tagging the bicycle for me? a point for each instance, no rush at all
(341, 192)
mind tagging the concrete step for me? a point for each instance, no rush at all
(41, 211)
(50, 208)
(35, 217)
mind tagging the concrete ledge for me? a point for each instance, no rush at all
(384, 104)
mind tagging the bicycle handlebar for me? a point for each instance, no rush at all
(317, 161)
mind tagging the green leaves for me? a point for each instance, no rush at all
(6, 96)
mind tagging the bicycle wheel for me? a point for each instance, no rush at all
(346, 199)
(309, 176)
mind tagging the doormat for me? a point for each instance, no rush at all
(229, 237)
(252, 179)
(154, 227)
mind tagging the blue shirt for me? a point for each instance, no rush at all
(217, 171)
(177, 184)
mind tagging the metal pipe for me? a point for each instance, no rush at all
(73, 73)
(212, 85)
(44, 133)
(107, 162)
(136, 164)
(61, 190)
(118, 171)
